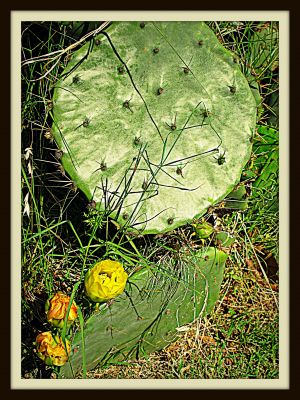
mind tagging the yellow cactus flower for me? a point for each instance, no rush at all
(106, 280)
(51, 349)
(56, 309)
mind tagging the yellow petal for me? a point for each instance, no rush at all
(105, 280)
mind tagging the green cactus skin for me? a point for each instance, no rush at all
(145, 319)
(265, 48)
(273, 102)
(255, 88)
(144, 118)
(225, 239)
(203, 229)
(236, 200)
(267, 155)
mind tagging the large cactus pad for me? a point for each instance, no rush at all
(144, 319)
(155, 122)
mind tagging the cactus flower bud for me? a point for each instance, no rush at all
(51, 349)
(203, 230)
(104, 281)
(56, 309)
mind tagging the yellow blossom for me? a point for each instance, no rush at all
(106, 280)
(51, 349)
(56, 309)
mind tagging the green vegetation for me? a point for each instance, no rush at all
(63, 234)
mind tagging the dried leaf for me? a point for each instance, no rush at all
(26, 205)
(28, 153)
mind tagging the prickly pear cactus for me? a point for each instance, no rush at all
(145, 318)
(154, 122)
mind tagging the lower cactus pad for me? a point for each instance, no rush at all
(145, 317)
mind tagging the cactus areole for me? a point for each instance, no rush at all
(154, 123)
